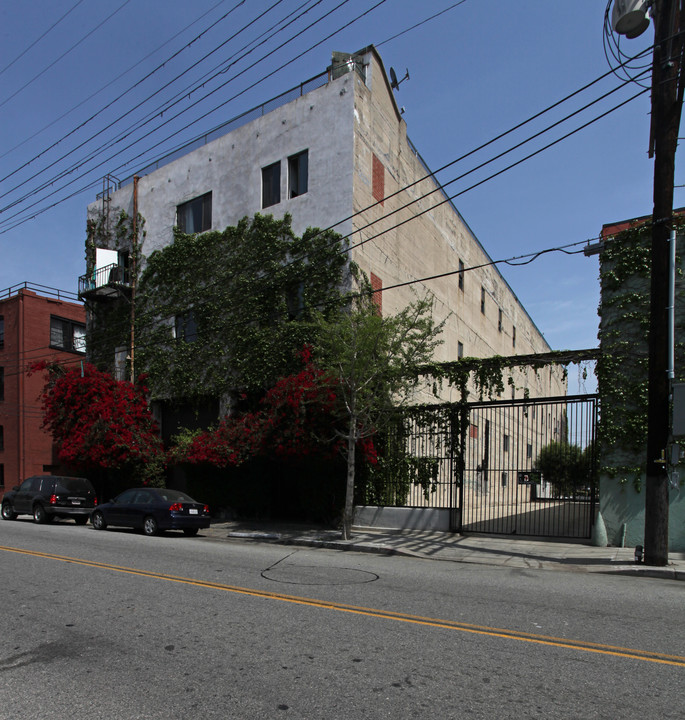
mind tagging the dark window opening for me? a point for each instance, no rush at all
(195, 216)
(2, 331)
(2, 475)
(2, 383)
(513, 336)
(2, 437)
(271, 185)
(461, 275)
(67, 335)
(505, 443)
(499, 322)
(460, 350)
(186, 327)
(482, 300)
(298, 171)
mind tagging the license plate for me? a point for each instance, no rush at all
(192, 511)
(75, 502)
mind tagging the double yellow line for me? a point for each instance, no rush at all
(580, 645)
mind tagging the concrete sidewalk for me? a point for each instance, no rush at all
(501, 551)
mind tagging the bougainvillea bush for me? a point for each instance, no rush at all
(101, 424)
(296, 418)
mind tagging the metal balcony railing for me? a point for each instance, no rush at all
(110, 277)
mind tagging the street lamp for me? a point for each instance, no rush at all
(630, 17)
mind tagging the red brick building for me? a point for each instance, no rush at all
(36, 323)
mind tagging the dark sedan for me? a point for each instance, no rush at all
(152, 510)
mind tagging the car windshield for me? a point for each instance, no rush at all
(174, 496)
(72, 485)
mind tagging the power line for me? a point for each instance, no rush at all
(73, 47)
(160, 111)
(115, 100)
(258, 82)
(37, 40)
(104, 87)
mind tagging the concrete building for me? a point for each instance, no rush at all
(36, 323)
(333, 151)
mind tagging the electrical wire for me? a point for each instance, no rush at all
(512, 261)
(119, 97)
(64, 54)
(418, 24)
(160, 111)
(256, 83)
(135, 65)
(37, 40)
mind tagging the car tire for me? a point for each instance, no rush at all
(39, 514)
(7, 512)
(190, 532)
(150, 526)
(98, 521)
(80, 519)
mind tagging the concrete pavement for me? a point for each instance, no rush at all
(501, 551)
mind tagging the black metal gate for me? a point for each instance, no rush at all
(530, 467)
(524, 467)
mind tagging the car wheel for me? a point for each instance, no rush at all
(80, 519)
(150, 526)
(7, 512)
(98, 521)
(39, 514)
(190, 531)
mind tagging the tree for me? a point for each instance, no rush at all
(374, 361)
(100, 423)
(567, 467)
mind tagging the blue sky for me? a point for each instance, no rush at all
(478, 70)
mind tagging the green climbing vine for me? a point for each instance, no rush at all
(622, 369)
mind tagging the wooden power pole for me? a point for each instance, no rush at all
(666, 109)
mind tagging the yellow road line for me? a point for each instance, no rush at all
(627, 653)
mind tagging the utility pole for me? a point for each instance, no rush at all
(666, 107)
(630, 19)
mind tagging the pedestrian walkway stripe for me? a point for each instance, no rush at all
(581, 645)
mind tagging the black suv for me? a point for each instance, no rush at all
(49, 496)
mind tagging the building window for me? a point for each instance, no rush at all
(461, 275)
(2, 437)
(298, 172)
(271, 185)
(529, 451)
(505, 443)
(67, 335)
(513, 336)
(378, 180)
(2, 331)
(377, 289)
(2, 383)
(499, 321)
(482, 299)
(460, 350)
(185, 327)
(195, 216)
(2, 475)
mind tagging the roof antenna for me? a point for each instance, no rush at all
(394, 82)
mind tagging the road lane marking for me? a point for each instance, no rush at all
(581, 645)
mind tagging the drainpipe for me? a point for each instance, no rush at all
(671, 307)
(21, 454)
(134, 273)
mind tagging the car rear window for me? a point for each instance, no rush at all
(174, 496)
(73, 485)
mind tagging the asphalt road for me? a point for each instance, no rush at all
(117, 625)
